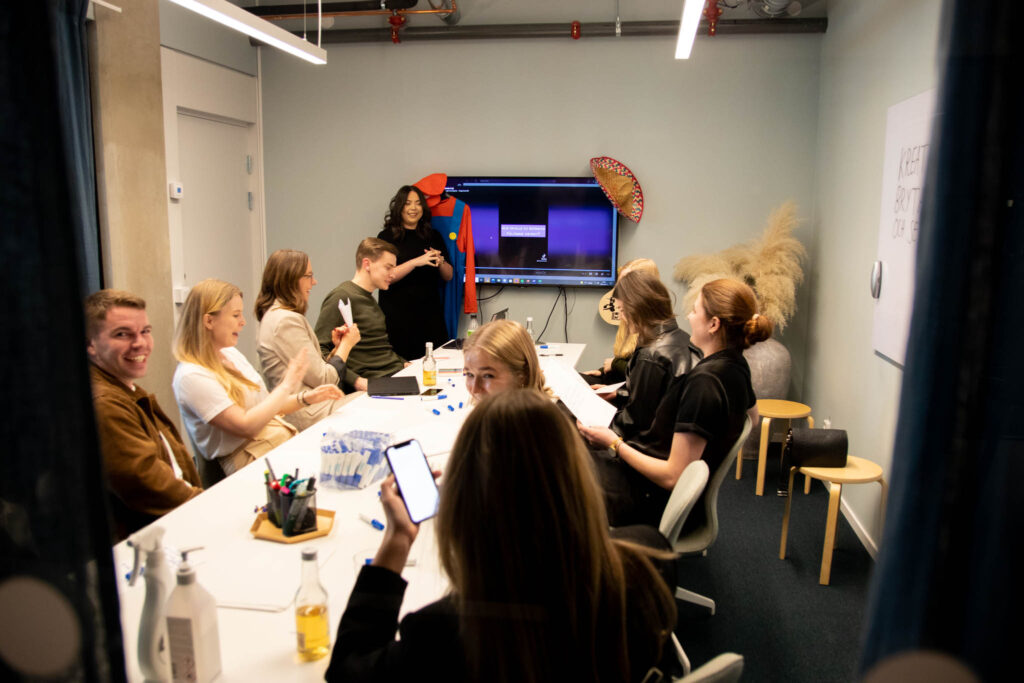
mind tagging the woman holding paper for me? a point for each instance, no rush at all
(285, 333)
(700, 417)
(228, 412)
(412, 304)
(540, 592)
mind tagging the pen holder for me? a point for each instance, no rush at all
(274, 506)
(299, 513)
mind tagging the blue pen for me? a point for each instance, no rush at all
(379, 526)
(390, 398)
(436, 411)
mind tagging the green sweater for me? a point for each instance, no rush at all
(373, 355)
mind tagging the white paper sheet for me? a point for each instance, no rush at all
(576, 394)
(345, 307)
(608, 388)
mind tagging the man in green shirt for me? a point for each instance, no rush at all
(373, 355)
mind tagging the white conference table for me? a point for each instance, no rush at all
(254, 581)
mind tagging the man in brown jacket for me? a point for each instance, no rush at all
(137, 439)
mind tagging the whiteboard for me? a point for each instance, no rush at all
(907, 132)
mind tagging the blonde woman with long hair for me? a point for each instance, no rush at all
(539, 591)
(228, 412)
(501, 356)
(614, 369)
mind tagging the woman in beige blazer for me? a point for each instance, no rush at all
(284, 332)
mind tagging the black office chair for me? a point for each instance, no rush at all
(210, 471)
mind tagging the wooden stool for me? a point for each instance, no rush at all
(857, 471)
(774, 409)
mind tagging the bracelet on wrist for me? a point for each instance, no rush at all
(301, 397)
(614, 446)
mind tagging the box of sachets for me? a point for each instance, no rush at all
(353, 459)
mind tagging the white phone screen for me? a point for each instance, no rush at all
(415, 480)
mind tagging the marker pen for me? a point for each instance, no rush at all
(379, 526)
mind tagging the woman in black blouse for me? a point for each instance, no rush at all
(539, 591)
(701, 415)
(412, 304)
(663, 351)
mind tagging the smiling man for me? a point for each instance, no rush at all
(140, 445)
(373, 356)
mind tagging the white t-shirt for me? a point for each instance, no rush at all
(201, 397)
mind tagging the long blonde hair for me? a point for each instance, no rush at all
(193, 343)
(539, 584)
(625, 341)
(508, 342)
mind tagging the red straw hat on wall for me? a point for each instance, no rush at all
(620, 186)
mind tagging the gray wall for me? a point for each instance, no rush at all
(875, 54)
(716, 142)
(193, 34)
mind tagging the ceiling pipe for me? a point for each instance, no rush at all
(563, 30)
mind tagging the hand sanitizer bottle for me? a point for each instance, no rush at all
(152, 649)
(311, 621)
(429, 367)
(192, 628)
(529, 328)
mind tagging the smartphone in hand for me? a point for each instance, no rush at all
(414, 478)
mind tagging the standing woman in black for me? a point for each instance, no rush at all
(412, 305)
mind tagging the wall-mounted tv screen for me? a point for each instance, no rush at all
(559, 232)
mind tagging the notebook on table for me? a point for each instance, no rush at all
(392, 386)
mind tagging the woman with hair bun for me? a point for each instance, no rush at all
(704, 417)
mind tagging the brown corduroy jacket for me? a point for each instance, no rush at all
(141, 483)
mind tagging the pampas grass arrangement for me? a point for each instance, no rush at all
(771, 264)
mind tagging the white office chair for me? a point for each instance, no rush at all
(684, 495)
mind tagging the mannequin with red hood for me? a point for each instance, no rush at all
(451, 218)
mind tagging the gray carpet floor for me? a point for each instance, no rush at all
(772, 611)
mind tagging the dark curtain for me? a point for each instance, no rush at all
(949, 572)
(53, 525)
(76, 120)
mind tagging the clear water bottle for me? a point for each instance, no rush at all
(311, 623)
(429, 366)
(529, 329)
(473, 324)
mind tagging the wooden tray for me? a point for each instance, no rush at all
(265, 529)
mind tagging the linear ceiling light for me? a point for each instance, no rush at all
(688, 27)
(238, 19)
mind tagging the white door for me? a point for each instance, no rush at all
(216, 229)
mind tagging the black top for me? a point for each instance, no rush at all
(412, 305)
(430, 647)
(711, 401)
(651, 370)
